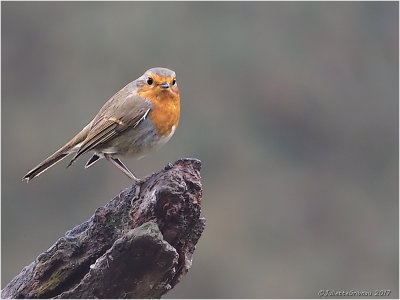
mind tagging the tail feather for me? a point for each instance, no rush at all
(72, 146)
(95, 157)
(44, 165)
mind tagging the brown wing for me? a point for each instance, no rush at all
(117, 115)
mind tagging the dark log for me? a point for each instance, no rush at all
(139, 245)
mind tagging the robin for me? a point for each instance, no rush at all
(140, 117)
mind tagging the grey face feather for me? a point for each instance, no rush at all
(160, 72)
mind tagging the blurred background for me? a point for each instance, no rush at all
(291, 106)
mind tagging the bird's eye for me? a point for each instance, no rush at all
(174, 81)
(149, 80)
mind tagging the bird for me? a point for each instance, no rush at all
(141, 117)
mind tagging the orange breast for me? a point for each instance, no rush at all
(166, 109)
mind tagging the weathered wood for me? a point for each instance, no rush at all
(139, 245)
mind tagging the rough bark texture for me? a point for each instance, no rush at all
(139, 245)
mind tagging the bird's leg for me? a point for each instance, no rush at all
(116, 162)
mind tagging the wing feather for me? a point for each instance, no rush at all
(112, 120)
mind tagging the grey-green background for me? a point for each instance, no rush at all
(292, 108)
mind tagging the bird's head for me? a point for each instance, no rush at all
(158, 83)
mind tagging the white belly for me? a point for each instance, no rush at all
(137, 142)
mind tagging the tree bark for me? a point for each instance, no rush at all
(139, 245)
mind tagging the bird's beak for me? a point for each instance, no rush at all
(164, 85)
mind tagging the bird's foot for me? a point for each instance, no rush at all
(138, 184)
